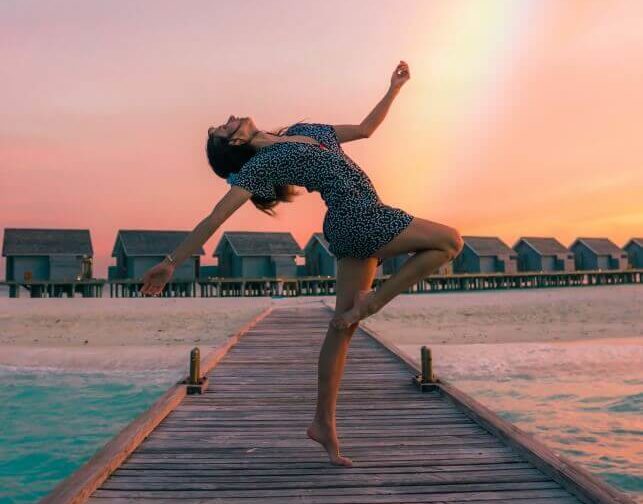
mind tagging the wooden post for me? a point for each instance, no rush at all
(195, 365)
(427, 379)
(427, 364)
(195, 383)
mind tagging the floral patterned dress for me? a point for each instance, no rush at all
(357, 223)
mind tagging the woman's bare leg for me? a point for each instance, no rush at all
(353, 275)
(434, 245)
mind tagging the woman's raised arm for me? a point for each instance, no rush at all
(156, 277)
(348, 132)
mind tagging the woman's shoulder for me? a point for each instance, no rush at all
(309, 126)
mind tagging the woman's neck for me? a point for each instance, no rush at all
(261, 139)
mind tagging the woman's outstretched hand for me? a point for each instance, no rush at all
(155, 279)
(400, 75)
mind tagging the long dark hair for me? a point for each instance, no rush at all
(225, 159)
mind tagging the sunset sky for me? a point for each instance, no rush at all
(520, 118)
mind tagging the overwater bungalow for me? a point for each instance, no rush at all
(255, 254)
(543, 254)
(138, 250)
(320, 261)
(634, 249)
(54, 255)
(598, 254)
(209, 271)
(485, 254)
(393, 264)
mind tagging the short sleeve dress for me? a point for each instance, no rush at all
(357, 223)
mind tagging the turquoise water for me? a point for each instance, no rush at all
(597, 425)
(54, 422)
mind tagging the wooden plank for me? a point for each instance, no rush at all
(324, 480)
(294, 456)
(478, 498)
(296, 470)
(216, 470)
(79, 486)
(412, 493)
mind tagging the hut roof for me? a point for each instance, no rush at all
(138, 242)
(318, 237)
(638, 241)
(544, 246)
(600, 246)
(487, 245)
(36, 241)
(259, 243)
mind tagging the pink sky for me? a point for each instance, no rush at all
(520, 118)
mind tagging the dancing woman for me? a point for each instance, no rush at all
(361, 230)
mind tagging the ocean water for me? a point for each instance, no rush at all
(596, 424)
(53, 422)
(584, 399)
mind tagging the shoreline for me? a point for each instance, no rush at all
(139, 334)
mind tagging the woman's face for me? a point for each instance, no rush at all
(236, 128)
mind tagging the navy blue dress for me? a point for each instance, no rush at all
(357, 223)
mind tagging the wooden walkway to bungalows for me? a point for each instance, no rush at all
(243, 440)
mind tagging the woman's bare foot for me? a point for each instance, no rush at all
(326, 437)
(363, 306)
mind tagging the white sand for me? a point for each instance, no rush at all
(118, 334)
(109, 334)
(513, 316)
(157, 333)
(497, 335)
(70, 322)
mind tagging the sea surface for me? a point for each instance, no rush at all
(583, 398)
(53, 422)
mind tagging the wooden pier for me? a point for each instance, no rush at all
(321, 286)
(243, 440)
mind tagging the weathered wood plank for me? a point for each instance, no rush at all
(510, 498)
(276, 464)
(412, 493)
(324, 480)
(282, 466)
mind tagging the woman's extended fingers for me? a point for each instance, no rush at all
(150, 288)
(402, 67)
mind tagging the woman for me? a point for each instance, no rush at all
(360, 229)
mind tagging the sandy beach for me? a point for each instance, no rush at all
(589, 331)
(153, 333)
(94, 334)
(513, 316)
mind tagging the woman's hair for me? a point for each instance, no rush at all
(225, 159)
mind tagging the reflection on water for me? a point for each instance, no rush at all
(52, 423)
(583, 399)
(598, 424)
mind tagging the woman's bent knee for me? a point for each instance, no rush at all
(452, 243)
(456, 243)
